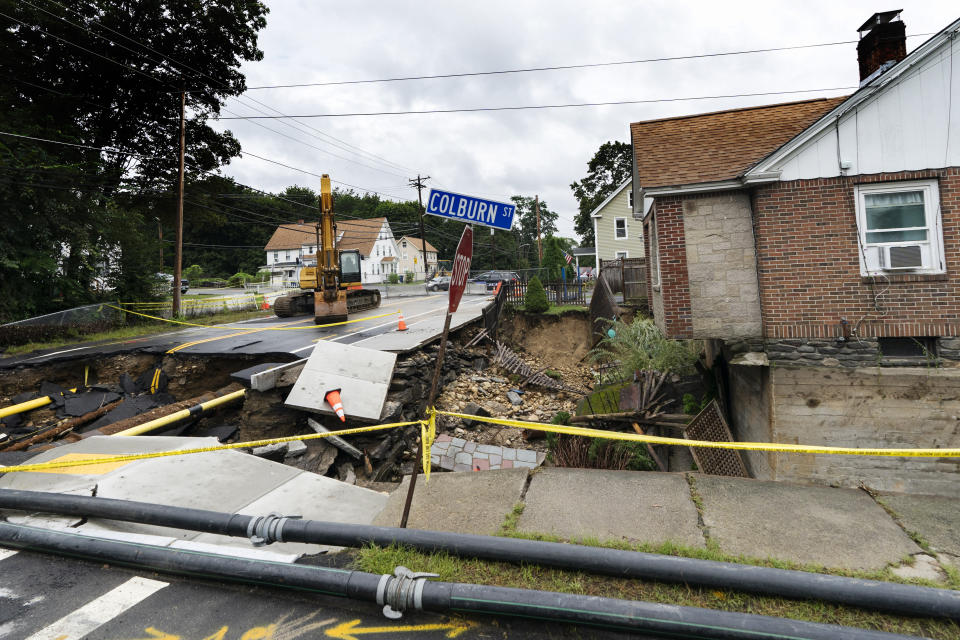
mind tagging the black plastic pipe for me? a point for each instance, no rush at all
(639, 617)
(869, 594)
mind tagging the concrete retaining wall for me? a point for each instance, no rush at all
(868, 407)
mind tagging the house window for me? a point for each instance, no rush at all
(404, 244)
(630, 199)
(405, 257)
(620, 228)
(899, 228)
(621, 255)
(276, 256)
(654, 254)
(287, 256)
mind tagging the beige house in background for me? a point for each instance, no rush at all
(618, 233)
(410, 258)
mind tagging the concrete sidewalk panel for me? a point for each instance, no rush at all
(935, 518)
(611, 505)
(467, 502)
(362, 375)
(836, 528)
(420, 332)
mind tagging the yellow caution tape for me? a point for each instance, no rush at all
(45, 466)
(228, 328)
(743, 446)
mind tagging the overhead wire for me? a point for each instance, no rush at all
(542, 106)
(560, 67)
(348, 146)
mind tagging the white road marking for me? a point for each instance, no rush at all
(6, 553)
(100, 611)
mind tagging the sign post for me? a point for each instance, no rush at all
(458, 282)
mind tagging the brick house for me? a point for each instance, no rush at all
(815, 247)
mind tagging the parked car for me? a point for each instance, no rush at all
(439, 283)
(166, 280)
(491, 278)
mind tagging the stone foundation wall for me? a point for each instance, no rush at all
(863, 352)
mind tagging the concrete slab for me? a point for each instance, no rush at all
(421, 332)
(315, 498)
(835, 528)
(611, 505)
(458, 502)
(935, 518)
(363, 375)
(225, 481)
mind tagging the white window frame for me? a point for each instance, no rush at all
(655, 251)
(621, 254)
(932, 247)
(626, 231)
(630, 199)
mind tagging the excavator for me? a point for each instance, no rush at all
(330, 287)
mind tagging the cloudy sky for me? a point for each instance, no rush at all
(502, 153)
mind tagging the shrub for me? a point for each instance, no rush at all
(239, 279)
(408, 277)
(640, 345)
(393, 278)
(535, 300)
(193, 273)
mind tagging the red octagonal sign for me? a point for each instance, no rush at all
(461, 268)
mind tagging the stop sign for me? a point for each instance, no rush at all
(461, 268)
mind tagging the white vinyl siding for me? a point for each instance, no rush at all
(607, 244)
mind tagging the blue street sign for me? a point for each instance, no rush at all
(457, 206)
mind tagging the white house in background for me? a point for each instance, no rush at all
(411, 258)
(616, 227)
(291, 244)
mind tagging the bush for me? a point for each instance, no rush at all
(640, 345)
(239, 279)
(535, 300)
(408, 277)
(193, 273)
(393, 278)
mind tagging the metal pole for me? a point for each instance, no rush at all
(430, 401)
(178, 259)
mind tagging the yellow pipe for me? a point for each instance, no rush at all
(182, 414)
(27, 406)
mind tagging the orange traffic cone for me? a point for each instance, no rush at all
(333, 399)
(401, 326)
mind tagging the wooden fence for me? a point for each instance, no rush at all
(627, 276)
(557, 292)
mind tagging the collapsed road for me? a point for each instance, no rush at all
(372, 329)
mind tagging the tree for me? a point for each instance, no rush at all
(525, 225)
(609, 168)
(553, 260)
(535, 300)
(106, 74)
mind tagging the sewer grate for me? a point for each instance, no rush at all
(709, 425)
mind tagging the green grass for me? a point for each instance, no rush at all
(136, 331)
(562, 309)
(455, 569)
(469, 570)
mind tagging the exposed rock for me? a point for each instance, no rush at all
(514, 398)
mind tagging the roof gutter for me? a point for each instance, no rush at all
(704, 187)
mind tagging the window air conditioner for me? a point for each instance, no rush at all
(901, 257)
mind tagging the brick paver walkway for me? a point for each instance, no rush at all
(457, 454)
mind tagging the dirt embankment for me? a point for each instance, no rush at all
(562, 341)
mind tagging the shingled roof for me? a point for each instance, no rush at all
(712, 147)
(418, 245)
(354, 234)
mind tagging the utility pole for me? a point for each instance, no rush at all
(418, 183)
(178, 259)
(536, 205)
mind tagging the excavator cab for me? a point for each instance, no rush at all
(350, 267)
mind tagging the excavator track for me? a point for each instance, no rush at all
(362, 299)
(293, 305)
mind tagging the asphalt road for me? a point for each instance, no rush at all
(257, 337)
(46, 597)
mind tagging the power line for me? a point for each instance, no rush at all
(543, 106)
(588, 65)
(277, 162)
(170, 59)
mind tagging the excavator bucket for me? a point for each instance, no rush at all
(329, 311)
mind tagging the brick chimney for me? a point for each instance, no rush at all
(883, 39)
